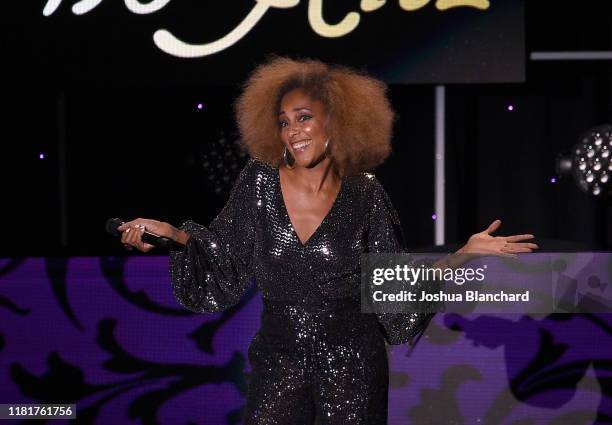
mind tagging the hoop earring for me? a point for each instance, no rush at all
(286, 155)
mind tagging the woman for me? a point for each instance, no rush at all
(299, 217)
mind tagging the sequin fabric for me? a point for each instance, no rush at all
(316, 354)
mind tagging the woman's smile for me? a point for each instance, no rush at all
(301, 146)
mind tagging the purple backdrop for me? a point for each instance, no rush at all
(106, 333)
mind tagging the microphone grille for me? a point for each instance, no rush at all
(112, 224)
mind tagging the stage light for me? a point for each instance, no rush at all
(434, 216)
(41, 155)
(200, 106)
(222, 162)
(589, 161)
(553, 180)
(510, 108)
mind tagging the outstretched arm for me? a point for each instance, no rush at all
(214, 269)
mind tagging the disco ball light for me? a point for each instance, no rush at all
(589, 162)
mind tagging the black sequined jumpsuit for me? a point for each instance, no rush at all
(316, 354)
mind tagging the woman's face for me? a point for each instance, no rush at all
(303, 121)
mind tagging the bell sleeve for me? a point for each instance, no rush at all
(385, 236)
(214, 270)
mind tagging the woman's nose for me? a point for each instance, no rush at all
(293, 129)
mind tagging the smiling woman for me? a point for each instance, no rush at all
(300, 216)
(354, 109)
(326, 132)
(303, 123)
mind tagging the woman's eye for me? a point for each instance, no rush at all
(305, 117)
(282, 124)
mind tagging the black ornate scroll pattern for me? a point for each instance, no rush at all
(89, 414)
(595, 319)
(186, 376)
(65, 383)
(57, 269)
(4, 301)
(11, 265)
(549, 372)
(441, 405)
(538, 377)
(62, 383)
(112, 269)
(10, 305)
(203, 335)
(551, 366)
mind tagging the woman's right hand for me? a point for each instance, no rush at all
(132, 232)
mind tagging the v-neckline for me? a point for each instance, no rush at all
(321, 224)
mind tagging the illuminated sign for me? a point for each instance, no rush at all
(171, 45)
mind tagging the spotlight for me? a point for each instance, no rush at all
(589, 161)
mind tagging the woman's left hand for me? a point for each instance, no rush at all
(505, 246)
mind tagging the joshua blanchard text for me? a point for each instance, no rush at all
(453, 297)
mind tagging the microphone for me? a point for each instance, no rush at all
(147, 237)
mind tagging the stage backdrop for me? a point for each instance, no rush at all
(107, 334)
(63, 43)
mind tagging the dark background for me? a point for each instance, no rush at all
(137, 150)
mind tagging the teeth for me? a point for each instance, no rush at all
(301, 145)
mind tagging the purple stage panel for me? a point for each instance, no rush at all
(107, 334)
